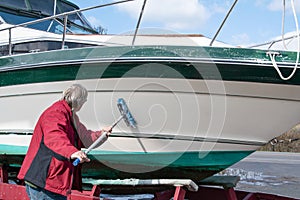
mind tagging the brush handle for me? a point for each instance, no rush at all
(100, 139)
(76, 162)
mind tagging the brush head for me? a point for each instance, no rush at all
(127, 116)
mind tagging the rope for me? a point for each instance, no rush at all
(273, 54)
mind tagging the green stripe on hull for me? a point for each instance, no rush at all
(73, 64)
(114, 165)
(13, 150)
(213, 159)
(145, 51)
(191, 165)
(175, 159)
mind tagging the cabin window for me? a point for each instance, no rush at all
(46, 7)
(21, 11)
(39, 46)
(16, 4)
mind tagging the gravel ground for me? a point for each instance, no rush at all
(287, 142)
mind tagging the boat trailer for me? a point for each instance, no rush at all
(214, 187)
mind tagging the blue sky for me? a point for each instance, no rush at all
(251, 21)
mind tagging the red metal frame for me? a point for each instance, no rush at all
(230, 194)
(13, 191)
(178, 194)
(3, 174)
(94, 194)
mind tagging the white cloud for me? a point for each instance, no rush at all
(240, 39)
(277, 5)
(220, 7)
(94, 21)
(172, 14)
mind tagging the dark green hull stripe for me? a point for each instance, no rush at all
(118, 165)
(218, 159)
(12, 150)
(229, 64)
(184, 159)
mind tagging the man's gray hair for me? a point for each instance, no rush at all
(75, 95)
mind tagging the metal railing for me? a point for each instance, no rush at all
(223, 22)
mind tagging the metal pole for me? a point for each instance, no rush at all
(9, 42)
(54, 7)
(273, 41)
(65, 30)
(54, 13)
(223, 22)
(138, 24)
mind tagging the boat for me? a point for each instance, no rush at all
(200, 105)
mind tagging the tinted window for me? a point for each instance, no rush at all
(39, 46)
(63, 7)
(18, 19)
(18, 13)
(44, 6)
(19, 4)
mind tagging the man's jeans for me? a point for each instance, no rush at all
(42, 194)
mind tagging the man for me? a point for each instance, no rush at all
(56, 141)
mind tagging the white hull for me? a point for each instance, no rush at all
(172, 114)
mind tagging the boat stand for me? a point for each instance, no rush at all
(214, 187)
(163, 189)
(134, 186)
(227, 182)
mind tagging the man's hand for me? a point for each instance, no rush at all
(81, 156)
(107, 129)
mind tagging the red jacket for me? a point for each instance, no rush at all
(47, 163)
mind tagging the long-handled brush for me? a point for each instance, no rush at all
(128, 119)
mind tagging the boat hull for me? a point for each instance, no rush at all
(196, 115)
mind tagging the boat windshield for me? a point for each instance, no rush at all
(20, 11)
